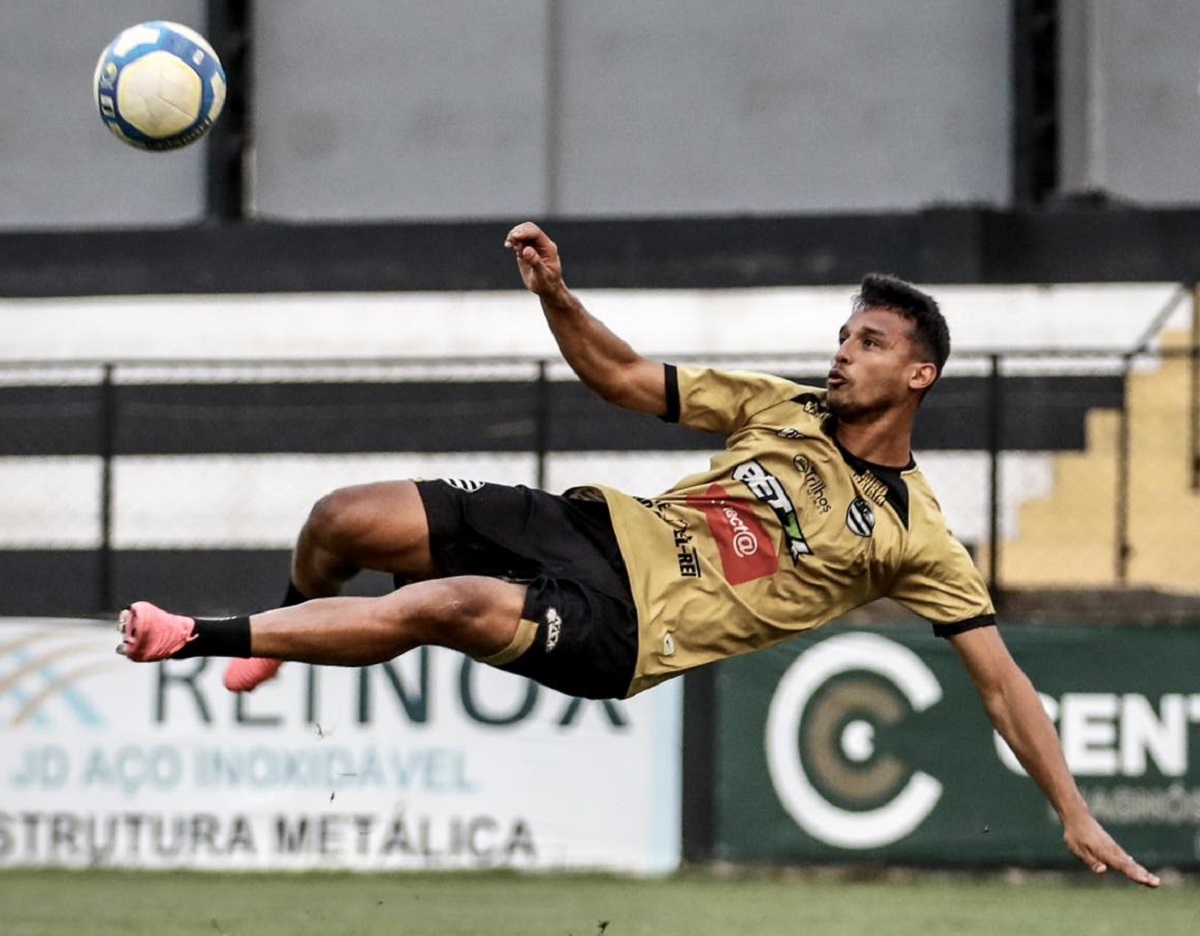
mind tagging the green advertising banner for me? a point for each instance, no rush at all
(874, 746)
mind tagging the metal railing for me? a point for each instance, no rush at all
(1060, 469)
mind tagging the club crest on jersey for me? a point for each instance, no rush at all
(860, 518)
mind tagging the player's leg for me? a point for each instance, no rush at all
(476, 615)
(571, 624)
(379, 526)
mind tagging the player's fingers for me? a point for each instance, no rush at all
(545, 272)
(1115, 857)
(523, 232)
(1136, 873)
(1089, 855)
(520, 238)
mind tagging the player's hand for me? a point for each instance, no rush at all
(1093, 846)
(537, 258)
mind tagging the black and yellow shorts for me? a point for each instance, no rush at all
(582, 632)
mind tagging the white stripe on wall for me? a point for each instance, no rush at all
(655, 322)
(260, 502)
(50, 503)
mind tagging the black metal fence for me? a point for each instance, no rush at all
(1065, 471)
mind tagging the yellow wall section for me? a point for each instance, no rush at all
(1070, 538)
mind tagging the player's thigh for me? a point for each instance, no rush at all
(381, 525)
(575, 638)
(561, 633)
(507, 531)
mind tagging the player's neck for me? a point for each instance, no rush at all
(884, 439)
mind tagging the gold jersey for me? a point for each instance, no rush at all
(784, 532)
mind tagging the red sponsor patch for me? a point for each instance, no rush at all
(746, 550)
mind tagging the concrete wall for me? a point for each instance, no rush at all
(407, 109)
(411, 109)
(765, 106)
(59, 167)
(1131, 99)
(378, 109)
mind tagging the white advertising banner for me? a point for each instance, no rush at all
(431, 761)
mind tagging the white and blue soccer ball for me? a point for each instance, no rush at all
(159, 86)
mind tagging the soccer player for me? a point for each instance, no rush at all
(814, 507)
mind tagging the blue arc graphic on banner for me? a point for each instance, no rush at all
(32, 676)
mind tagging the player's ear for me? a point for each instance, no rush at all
(922, 376)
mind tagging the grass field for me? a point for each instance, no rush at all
(57, 903)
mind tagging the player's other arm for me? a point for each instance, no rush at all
(1015, 709)
(603, 361)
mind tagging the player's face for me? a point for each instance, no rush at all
(877, 365)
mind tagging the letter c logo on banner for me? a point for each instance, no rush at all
(825, 821)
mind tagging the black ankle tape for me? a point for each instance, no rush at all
(223, 637)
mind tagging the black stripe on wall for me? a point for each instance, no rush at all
(1070, 243)
(1039, 413)
(66, 583)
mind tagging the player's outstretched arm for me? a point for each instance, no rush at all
(602, 360)
(1016, 711)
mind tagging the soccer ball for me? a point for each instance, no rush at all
(159, 86)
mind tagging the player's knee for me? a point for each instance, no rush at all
(475, 616)
(345, 519)
(449, 612)
(335, 519)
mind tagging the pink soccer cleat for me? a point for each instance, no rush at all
(248, 675)
(151, 634)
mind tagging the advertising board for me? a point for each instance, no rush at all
(874, 746)
(430, 761)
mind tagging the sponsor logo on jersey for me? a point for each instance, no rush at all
(463, 484)
(872, 488)
(814, 405)
(768, 489)
(813, 483)
(742, 542)
(745, 540)
(685, 550)
(553, 628)
(860, 518)
(685, 553)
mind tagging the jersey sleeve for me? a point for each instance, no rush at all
(719, 400)
(942, 585)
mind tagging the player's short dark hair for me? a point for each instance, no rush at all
(930, 332)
